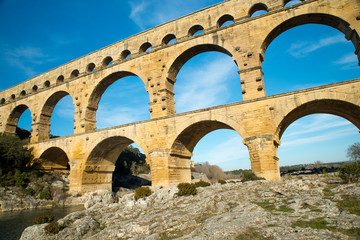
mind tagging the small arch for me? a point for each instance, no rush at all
(168, 38)
(23, 93)
(74, 74)
(90, 67)
(257, 9)
(107, 61)
(288, 3)
(145, 47)
(60, 79)
(2, 101)
(194, 30)
(47, 84)
(12, 97)
(224, 19)
(52, 159)
(125, 54)
(34, 88)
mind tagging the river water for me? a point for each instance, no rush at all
(12, 224)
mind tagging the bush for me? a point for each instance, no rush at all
(13, 154)
(186, 189)
(250, 176)
(53, 228)
(142, 192)
(350, 172)
(222, 182)
(45, 194)
(29, 191)
(202, 184)
(44, 219)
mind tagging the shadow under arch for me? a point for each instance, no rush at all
(97, 93)
(190, 53)
(53, 158)
(314, 18)
(183, 146)
(46, 113)
(13, 119)
(100, 164)
(349, 111)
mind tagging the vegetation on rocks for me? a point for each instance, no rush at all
(44, 219)
(53, 228)
(142, 192)
(202, 184)
(186, 189)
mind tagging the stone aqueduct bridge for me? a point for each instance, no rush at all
(167, 139)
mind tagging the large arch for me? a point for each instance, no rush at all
(100, 164)
(315, 18)
(54, 158)
(185, 56)
(46, 114)
(14, 117)
(97, 93)
(347, 110)
(182, 147)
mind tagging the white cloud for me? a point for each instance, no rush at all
(203, 87)
(348, 62)
(108, 115)
(138, 10)
(231, 150)
(24, 57)
(302, 49)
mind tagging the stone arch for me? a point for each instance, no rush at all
(287, 1)
(257, 7)
(46, 113)
(168, 38)
(47, 84)
(185, 56)
(54, 158)
(74, 74)
(347, 110)
(100, 164)
(145, 47)
(125, 54)
(315, 18)
(223, 19)
(60, 79)
(194, 29)
(35, 88)
(107, 61)
(90, 67)
(182, 147)
(96, 94)
(14, 117)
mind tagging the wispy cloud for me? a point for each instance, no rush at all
(317, 128)
(348, 62)
(108, 115)
(230, 150)
(203, 87)
(303, 49)
(138, 10)
(26, 58)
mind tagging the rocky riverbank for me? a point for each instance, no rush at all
(310, 207)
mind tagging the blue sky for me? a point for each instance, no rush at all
(39, 35)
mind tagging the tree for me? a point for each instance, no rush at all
(13, 153)
(353, 152)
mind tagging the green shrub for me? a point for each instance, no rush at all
(222, 182)
(350, 172)
(186, 189)
(44, 219)
(249, 176)
(45, 194)
(202, 184)
(53, 228)
(29, 191)
(142, 192)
